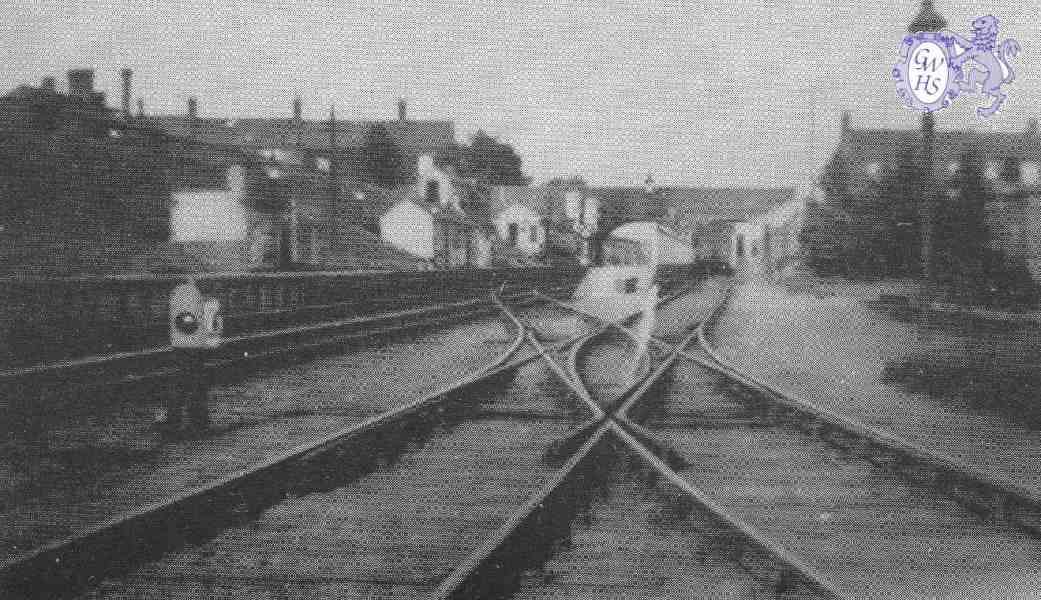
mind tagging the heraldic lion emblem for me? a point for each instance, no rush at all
(996, 69)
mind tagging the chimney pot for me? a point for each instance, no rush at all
(47, 83)
(1032, 128)
(126, 74)
(193, 108)
(140, 107)
(297, 109)
(401, 110)
(81, 82)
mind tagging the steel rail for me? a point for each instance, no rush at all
(762, 556)
(482, 570)
(564, 377)
(129, 367)
(981, 492)
(478, 574)
(481, 573)
(70, 563)
(784, 567)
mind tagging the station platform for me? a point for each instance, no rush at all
(87, 467)
(823, 342)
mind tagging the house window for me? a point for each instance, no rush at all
(873, 169)
(1028, 172)
(433, 191)
(952, 167)
(628, 286)
(511, 235)
(992, 171)
(1010, 170)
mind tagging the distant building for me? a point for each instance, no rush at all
(1011, 172)
(660, 243)
(519, 216)
(44, 108)
(442, 218)
(413, 137)
(725, 223)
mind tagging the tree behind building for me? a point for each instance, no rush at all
(492, 162)
(382, 158)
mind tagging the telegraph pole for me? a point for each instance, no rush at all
(928, 20)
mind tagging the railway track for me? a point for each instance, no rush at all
(869, 514)
(259, 341)
(571, 471)
(119, 545)
(686, 540)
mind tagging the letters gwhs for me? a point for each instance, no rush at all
(931, 70)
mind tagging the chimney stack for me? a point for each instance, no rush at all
(298, 110)
(81, 83)
(47, 83)
(401, 110)
(140, 107)
(846, 121)
(193, 108)
(126, 74)
(1032, 128)
(648, 185)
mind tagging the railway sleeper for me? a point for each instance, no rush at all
(539, 529)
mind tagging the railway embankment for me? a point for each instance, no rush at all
(961, 385)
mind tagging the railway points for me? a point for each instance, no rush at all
(862, 526)
(256, 420)
(677, 460)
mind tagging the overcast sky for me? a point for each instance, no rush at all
(712, 92)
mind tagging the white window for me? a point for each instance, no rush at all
(323, 164)
(952, 167)
(873, 169)
(991, 173)
(433, 191)
(1028, 172)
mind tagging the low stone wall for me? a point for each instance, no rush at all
(52, 319)
(44, 320)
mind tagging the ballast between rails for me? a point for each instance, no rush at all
(74, 562)
(980, 492)
(481, 575)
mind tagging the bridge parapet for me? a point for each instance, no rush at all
(53, 319)
(49, 320)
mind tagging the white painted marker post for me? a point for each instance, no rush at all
(196, 328)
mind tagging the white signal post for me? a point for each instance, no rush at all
(195, 321)
(196, 329)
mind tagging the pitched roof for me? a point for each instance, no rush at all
(623, 204)
(504, 196)
(413, 137)
(886, 144)
(383, 199)
(723, 203)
